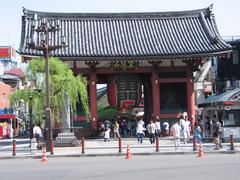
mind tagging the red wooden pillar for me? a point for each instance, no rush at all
(155, 94)
(93, 100)
(191, 99)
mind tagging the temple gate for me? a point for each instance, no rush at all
(134, 53)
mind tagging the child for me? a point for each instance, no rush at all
(107, 134)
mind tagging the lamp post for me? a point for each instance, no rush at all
(11, 123)
(30, 121)
(42, 30)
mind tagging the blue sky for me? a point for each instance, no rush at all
(227, 12)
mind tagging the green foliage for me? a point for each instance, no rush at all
(33, 98)
(106, 112)
(61, 80)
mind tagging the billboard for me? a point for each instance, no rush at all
(7, 53)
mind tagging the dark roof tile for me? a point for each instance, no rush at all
(162, 35)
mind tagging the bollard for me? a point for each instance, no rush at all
(231, 141)
(194, 143)
(14, 147)
(119, 144)
(51, 147)
(83, 146)
(157, 144)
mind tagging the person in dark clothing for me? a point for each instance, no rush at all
(208, 127)
(216, 134)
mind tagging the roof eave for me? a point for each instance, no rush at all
(144, 57)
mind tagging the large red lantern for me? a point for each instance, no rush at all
(124, 91)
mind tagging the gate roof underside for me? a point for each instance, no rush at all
(103, 36)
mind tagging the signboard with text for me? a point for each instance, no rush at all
(234, 130)
(7, 53)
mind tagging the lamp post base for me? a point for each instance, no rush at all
(48, 129)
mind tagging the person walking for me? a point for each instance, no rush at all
(102, 129)
(197, 132)
(166, 129)
(175, 132)
(158, 128)
(37, 133)
(188, 127)
(184, 127)
(116, 130)
(221, 124)
(208, 126)
(151, 128)
(140, 132)
(216, 134)
(107, 134)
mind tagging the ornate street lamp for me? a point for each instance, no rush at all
(43, 33)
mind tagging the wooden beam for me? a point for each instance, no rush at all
(173, 80)
(138, 70)
(169, 115)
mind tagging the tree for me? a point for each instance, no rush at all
(61, 80)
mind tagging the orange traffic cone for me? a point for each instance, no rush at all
(128, 155)
(44, 156)
(200, 154)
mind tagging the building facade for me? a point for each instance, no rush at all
(224, 98)
(10, 80)
(228, 74)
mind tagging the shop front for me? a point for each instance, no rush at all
(227, 108)
(8, 126)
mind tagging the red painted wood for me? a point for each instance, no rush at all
(7, 116)
(172, 80)
(191, 100)
(169, 115)
(79, 118)
(93, 100)
(106, 70)
(155, 94)
(112, 92)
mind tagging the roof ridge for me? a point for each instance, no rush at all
(119, 15)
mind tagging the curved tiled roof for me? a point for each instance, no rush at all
(15, 71)
(161, 35)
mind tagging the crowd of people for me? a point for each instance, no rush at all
(178, 129)
(122, 127)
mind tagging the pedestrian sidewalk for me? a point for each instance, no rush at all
(97, 147)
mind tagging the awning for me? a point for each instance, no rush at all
(9, 77)
(229, 97)
(7, 116)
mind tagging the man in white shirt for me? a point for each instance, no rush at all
(107, 135)
(151, 127)
(188, 127)
(158, 128)
(184, 129)
(175, 131)
(140, 132)
(37, 133)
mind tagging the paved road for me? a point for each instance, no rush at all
(164, 167)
